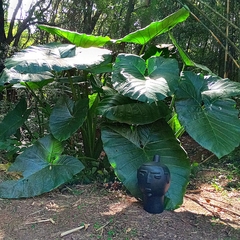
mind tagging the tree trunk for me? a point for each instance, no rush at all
(2, 32)
(2, 38)
(126, 27)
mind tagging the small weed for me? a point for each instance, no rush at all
(194, 169)
(111, 232)
(217, 187)
(133, 232)
(79, 207)
(214, 221)
(96, 225)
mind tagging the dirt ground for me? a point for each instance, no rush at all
(210, 211)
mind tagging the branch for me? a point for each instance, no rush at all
(28, 21)
(10, 31)
(29, 36)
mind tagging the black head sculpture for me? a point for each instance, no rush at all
(153, 181)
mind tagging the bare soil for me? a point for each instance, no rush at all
(210, 211)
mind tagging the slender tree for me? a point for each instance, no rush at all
(2, 32)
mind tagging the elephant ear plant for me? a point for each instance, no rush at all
(130, 106)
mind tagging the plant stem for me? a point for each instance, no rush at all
(37, 100)
(72, 87)
(142, 49)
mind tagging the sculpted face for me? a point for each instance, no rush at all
(153, 180)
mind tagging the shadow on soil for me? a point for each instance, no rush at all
(113, 215)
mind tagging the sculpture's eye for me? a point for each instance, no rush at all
(143, 172)
(156, 175)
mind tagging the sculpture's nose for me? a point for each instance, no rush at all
(149, 177)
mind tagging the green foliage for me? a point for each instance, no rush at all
(128, 148)
(13, 120)
(129, 108)
(124, 110)
(43, 168)
(78, 39)
(67, 116)
(146, 82)
(143, 36)
(56, 57)
(206, 111)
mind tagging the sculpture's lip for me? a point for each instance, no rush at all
(148, 189)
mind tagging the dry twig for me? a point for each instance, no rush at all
(42, 220)
(72, 230)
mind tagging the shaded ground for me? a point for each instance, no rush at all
(211, 210)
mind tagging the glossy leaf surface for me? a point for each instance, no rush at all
(67, 117)
(128, 148)
(207, 112)
(144, 35)
(145, 81)
(57, 57)
(43, 169)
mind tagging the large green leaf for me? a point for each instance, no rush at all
(79, 39)
(11, 76)
(43, 169)
(128, 148)
(145, 81)
(144, 35)
(67, 117)
(57, 57)
(185, 58)
(124, 110)
(207, 113)
(14, 120)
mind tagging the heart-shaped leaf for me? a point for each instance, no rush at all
(129, 147)
(207, 113)
(67, 117)
(145, 82)
(43, 169)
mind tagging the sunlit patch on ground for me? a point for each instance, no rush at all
(2, 234)
(221, 206)
(118, 207)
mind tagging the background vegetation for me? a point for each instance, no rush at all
(210, 35)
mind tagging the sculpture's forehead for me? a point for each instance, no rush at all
(150, 168)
